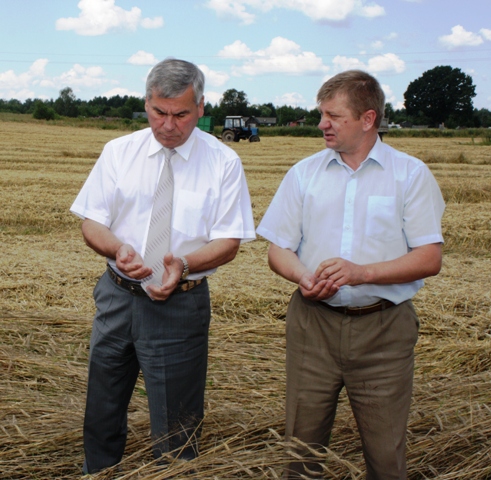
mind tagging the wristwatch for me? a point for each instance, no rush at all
(185, 270)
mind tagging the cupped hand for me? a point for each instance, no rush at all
(173, 268)
(130, 263)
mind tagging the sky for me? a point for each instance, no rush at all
(278, 51)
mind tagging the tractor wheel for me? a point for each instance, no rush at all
(254, 138)
(228, 136)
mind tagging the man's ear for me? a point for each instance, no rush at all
(369, 118)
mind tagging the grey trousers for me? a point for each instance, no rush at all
(372, 356)
(168, 341)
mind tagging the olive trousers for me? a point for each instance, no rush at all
(372, 356)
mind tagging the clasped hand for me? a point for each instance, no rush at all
(329, 277)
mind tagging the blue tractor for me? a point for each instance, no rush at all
(235, 130)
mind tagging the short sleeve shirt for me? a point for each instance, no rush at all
(389, 205)
(211, 198)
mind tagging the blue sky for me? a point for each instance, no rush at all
(277, 51)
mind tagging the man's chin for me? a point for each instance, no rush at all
(169, 142)
(330, 141)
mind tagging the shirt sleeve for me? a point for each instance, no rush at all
(94, 199)
(233, 217)
(423, 209)
(282, 222)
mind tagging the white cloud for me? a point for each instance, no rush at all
(80, 77)
(214, 78)
(19, 86)
(386, 63)
(342, 63)
(460, 37)
(380, 43)
(281, 56)
(231, 10)
(121, 92)
(142, 58)
(389, 94)
(236, 50)
(152, 23)
(486, 33)
(371, 11)
(98, 17)
(213, 97)
(317, 10)
(292, 99)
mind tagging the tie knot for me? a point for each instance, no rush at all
(169, 152)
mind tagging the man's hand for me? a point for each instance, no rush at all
(317, 289)
(173, 268)
(130, 263)
(341, 272)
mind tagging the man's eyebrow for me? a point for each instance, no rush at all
(181, 112)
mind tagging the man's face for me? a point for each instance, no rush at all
(342, 131)
(173, 119)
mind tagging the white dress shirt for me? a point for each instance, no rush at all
(211, 198)
(323, 209)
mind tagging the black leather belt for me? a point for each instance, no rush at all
(358, 311)
(135, 288)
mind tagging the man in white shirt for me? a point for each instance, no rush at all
(357, 228)
(160, 328)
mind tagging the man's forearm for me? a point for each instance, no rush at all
(421, 262)
(286, 263)
(214, 254)
(100, 238)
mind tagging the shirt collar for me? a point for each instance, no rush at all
(183, 150)
(376, 154)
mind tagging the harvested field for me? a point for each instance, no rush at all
(46, 282)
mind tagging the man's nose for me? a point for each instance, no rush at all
(169, 123)
(324, 123)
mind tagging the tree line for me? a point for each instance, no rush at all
(441, 96)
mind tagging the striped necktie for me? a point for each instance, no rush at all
(159, 231)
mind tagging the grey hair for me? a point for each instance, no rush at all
(171, 77)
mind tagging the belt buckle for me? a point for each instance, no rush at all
(133, 289)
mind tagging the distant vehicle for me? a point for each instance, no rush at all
(394, 125)
(207, 124)
(384, 128)
(235, 130)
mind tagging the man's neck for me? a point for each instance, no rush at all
(356, 157)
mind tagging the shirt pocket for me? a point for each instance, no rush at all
(383, 221)
(192, 213)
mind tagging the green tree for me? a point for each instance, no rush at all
(66, 103)
(313, 117)
(389, 112)
(234, 102)
(287, 113)
(135, 104)
(42, 111)
(483, 118)
(440, 94)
